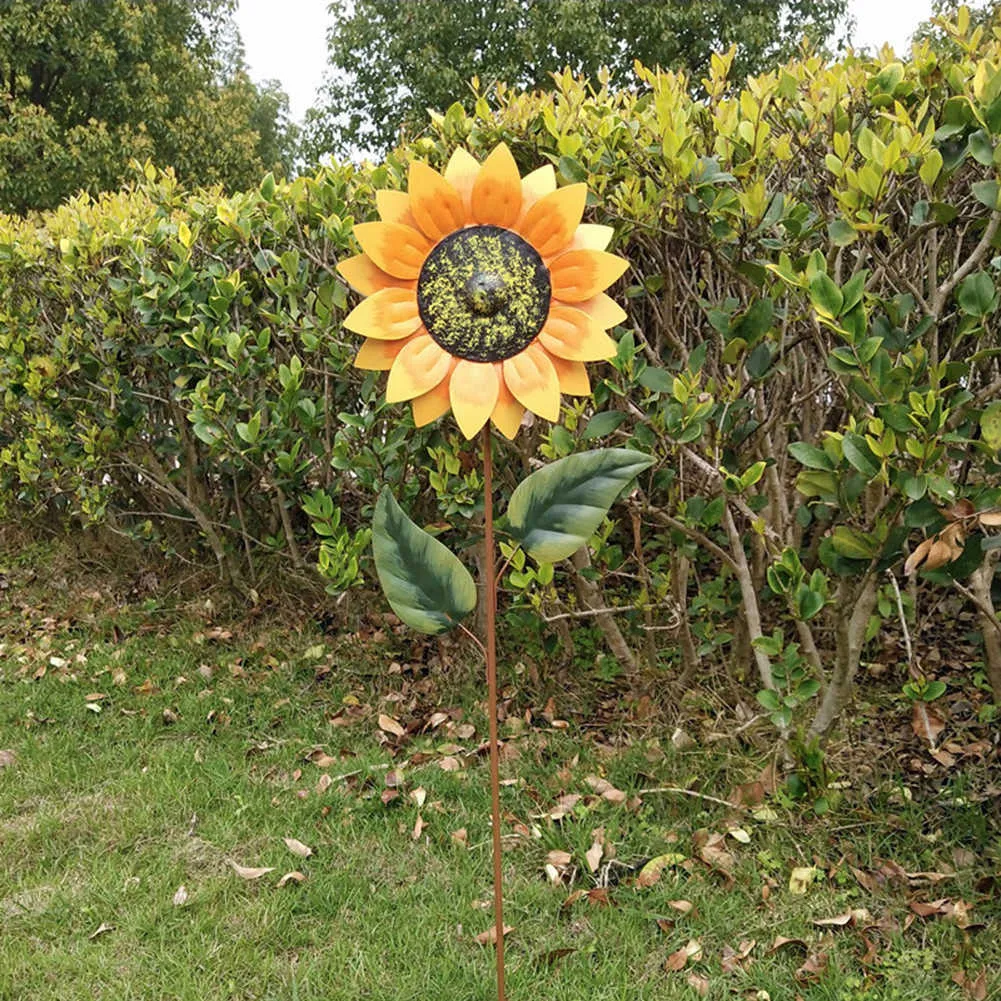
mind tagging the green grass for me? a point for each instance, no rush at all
(105, 814)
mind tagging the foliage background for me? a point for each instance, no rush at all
(811, 355)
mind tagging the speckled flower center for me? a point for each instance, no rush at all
(483, 293)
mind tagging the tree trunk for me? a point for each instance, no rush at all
(852, 609)
(980, 584)
(591, 597)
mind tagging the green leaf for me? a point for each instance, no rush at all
(657, 380)
(810, 456)
(759, 361)
(858, 453)
(853, 544)
(986, 192)
(553, 512)
(841, 232)
(601, 424)
(990, 425)
(426, 584)
(825, 296)
(977, 295)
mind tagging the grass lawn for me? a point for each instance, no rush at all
(144, 752)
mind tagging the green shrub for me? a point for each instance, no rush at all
(811, 354)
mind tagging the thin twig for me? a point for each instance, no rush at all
(903, 625)
(690, 792)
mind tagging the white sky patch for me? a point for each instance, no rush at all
(288, 41)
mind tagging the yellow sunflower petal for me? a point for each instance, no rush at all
(573, 376)
(473, 392)
(537, 185)
(431, 405)
(418, 368)
(496, 195)
(461, 174)
(378, 356)
(533, 381)
(435, 204)
(363, 276)
(394, 206)
(549, 225)
(570, 333)
(590, 236)
(387, 315)
(395, 248)
(508, 412)
(604, 310)
(582, 274)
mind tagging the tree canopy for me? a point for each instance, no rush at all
(85, 87)
(391, 61)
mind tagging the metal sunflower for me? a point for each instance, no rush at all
(484, 292)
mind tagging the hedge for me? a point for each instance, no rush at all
(811, 355)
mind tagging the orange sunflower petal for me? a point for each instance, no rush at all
(549, 225)
(435, 204)
(570, 333)
(461, 173)
(573, 376)
(473, 391)
(378, 356)
(496, 195)
(536, 185)
(363, 276)
(581, 274)
(431, 405)
(508, 412)
(418, 368)
(394, 206)
(604, 310)
(395, 248)
(590, 236)
(533, 382)
(387, 315)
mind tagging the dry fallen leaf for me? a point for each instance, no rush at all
(320, 758)
(297, 847)
(976, 987)
(391, 725)
(594, 853)
(449, 764)
(926, 723)
(858, 917)
(699, 983)
(460, 837)
(180, 896)
(419, 796)
(7, 758)
(813, 969)
(292, 877)
(677, 960)
(249, 872)
(489, 937)
(800, 879)
(102, 929)
(652, 870)
(419, 826)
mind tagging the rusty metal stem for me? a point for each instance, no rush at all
(490, 595)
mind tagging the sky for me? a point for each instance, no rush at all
(287, 42)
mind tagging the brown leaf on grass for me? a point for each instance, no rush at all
(594, 854)
(975, 987)
(711, 846)
(552, 957)
(297, 847)
(391, 725)
(737, 960)
(388, 795)
(813, 969)
(249, 872)
(699, 983)
(559, 858)
(605, 789)
(926, 723)
(419, 826)
(320, 758)
(958, 911)
(7, 758)
(651, 872)
(489, 937)
(781, 942)
(292, 877)
(928, 909)
(449, 764)
(180, 897)
(460, 837)
(858, 917)
(419, 795)
(678, 960)
(323, 784)
(564, 806)
(748, 794)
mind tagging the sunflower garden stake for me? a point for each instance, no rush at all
(485, 295)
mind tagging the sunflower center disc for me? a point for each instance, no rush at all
(483, 293)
